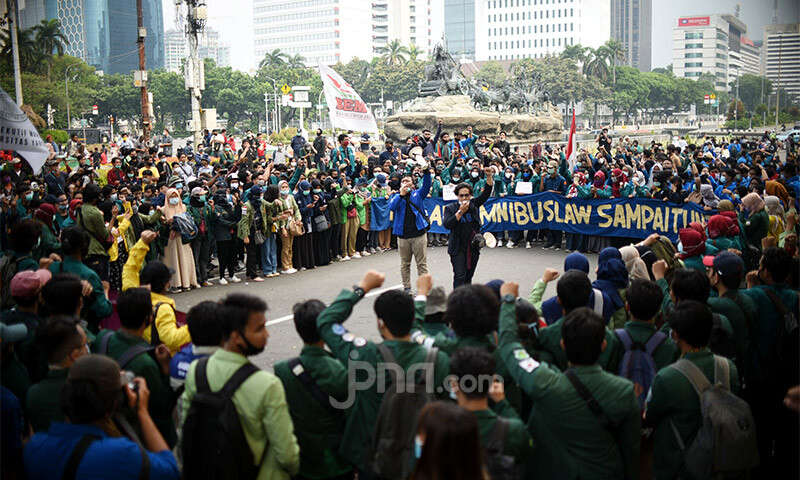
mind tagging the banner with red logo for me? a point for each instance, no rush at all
(347, 110)
(694, 21)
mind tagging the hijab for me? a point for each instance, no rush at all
(719, 226)
(572, 192)
(633, 263)
(773, 187)
(709, 199)
(773, 205)
(693, 242)
(753, 203)
(599, 179)
(618, 180)
(611, 276)
(172, 210)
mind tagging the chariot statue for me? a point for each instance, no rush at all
(443, 76)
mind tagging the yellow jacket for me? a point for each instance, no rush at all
(171, 335)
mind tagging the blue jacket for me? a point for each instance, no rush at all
(107, 454)
(179, 365)
(397, 205)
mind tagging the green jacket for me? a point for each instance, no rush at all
(756, 227)
(318, 430)
(549, 347)
(335, 207)
(574, 443)
(640, 332)
(264, 415)
(349, 198)
(95, 226)
(200, 214)
(763, 336)
(363, 411)
(162, 397)
(673, 400)
(739, 322)
(248, 217)
(48, 243)
(518, 443)
(43, 405)
(97, 306)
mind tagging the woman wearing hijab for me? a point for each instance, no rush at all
(381, 190)
(723, 233)
(321, 238)
(612, 280)
(693, 248)
(633, 263)
(303, 248)
(177, 255)
(755, 220)
(777, 217)
(640, 189)
(48, 242)
(708, 200)
(577, 189)
(776, 188)
(288, 213)
(599, 189)
(620, 187)
(550, 308)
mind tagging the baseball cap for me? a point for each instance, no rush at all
(436, 301)
(197, 191)
(13, 333)
(725, 263)
(27, 283)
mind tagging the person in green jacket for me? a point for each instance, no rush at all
(673, 405)
(575, 443)
(90, 218)
(353, 215)
(96, 306)
(395, 313)
(65, 342)
(135, 315)
(257, 216)
(48, 242)
(318, 425)
(22, 240)
(755, 222)
(472, 371)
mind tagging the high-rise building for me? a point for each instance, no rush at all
(88, 27)
(459, 28)
(513, 29)
(751, 56)
(176, 48)
(632, 26)
(708, 44)
(330, 31)
(781, 57)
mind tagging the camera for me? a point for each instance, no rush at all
(127, 378)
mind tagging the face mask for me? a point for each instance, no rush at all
(551, 171)
(114, 197)
(306, 192)
(656, 184)
(202, 198)
(317, 190)
(723, 178)
(284, 192)
(418, 447)
(174, 201)
(29, 196)
(250, 349)
(260, 183)
(130, 175)
(526, 176)
(345, 143)
(576, 181)
(62, 208)
(474, 174)
(509, 175)
(234, 186)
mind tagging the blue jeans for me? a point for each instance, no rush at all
(269, 256)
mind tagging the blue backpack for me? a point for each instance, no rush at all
(638, 364)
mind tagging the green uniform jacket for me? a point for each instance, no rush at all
(318, 430)
(763, 336)
(199, 214)
(97, 306)
(48, 243)
(549, 347)
(518, 441)
(573, 442)
(43, 405)
(666, 307)
(640, 332)
(673, 399)
(348, 198)
(95, 226)
(249, 214)
(724, 243)
(363, 413)
(261, 405)
(739, 323)
(335, 207)
(162, 397)
(756, 227)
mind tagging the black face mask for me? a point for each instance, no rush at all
(250, 349)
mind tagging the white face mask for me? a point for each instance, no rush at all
(174, 201)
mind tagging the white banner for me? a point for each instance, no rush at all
(17, 133)
(347, 110)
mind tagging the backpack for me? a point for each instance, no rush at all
(184, 224)
(721, 342)
(396, 424)
(9, 265)
(726, 440)
(638, 364)
(500, 466)
(180, 320)
(128, 355)
(214, 446)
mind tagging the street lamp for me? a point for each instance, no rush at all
(276, 118)
(66, 90)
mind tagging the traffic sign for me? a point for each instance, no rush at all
(300, 104)
(94, 109)
(285, 89)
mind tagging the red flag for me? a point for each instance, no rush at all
(571, 150)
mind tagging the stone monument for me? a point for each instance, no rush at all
(525, 116)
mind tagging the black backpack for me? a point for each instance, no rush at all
(128, 355)
(721, 342)
(396, 424)
(500, 466)
(214, 446)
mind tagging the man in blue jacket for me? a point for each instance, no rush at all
(410, 225)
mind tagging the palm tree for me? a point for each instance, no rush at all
(615, 51)
(413, 52)
(394, 52)
(596, 63)
(274, 58)
(29, 53)
(296, 61)
(50, 39)
(576, 52)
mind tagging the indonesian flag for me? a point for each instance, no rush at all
(572, 150)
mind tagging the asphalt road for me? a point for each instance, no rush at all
(324, 283)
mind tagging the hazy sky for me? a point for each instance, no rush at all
(233, 19)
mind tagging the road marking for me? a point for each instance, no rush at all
(370, 294)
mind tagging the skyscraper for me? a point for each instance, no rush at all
(210, 46)
(708, 44)
(781, 57)
(632, 26)
(459, 28)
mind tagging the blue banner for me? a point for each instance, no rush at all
(617, 217)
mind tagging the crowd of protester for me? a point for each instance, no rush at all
(605, 379)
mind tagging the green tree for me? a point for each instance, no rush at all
(492, 73)
(30, 55)
(274, 58)
(296, 61)
(752, 89)
(50, 40)
(596, 63)
(171, 98)
(614, 52)
(413, 53)
(576, 52)
(394, 53)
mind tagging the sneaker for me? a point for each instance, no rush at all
(257, 279)
(356, 255)
(547, 246)
(365, 253)
(345, 258)
(207, 284)
(302, 269)
(529, 245)
(371, 250)
(510, 244)
(290, 271)
(556, 247)
(338, 257)
(235, 279)
(222, 281)
(274, 274)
